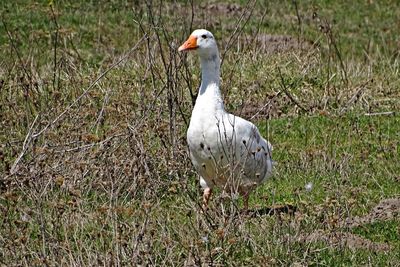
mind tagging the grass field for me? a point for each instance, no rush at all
(95, 101)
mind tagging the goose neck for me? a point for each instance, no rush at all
(209, 93)
(210, 70)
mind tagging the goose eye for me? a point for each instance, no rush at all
(204, 36)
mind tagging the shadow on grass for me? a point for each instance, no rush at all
(275, 210)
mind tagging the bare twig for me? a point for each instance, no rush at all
(14, 46)
(100, 118)
(288, 94)
(239, 27)
(259, 24)
(56, 119)
(55, 46)
(299, 22)
(191, 15)
(326, 28)
(88, 146)
(25, 145)
(355, 96)
(385, 113)
(266, 104)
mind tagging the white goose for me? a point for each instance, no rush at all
(227, 151)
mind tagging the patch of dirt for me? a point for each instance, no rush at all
(387, 209)
(269, 107)
(271, 43)
(340, 239)
(208, 16)
(222, 8)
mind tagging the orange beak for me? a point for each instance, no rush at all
(190, 44)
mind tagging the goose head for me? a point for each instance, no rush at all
(203, 41)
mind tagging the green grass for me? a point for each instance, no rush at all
(340, 156)
(380, 232)
(110, 182)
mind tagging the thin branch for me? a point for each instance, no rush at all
(55, 46)
(13, 45)
(288, 94)
(355, 96)
(299, 23)
(239, 28)
(25, 145)
(266, 104)
(90, 87)
(386, 113)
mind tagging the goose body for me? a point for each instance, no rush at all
(227, 151)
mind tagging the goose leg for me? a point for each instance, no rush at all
(206, 197)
